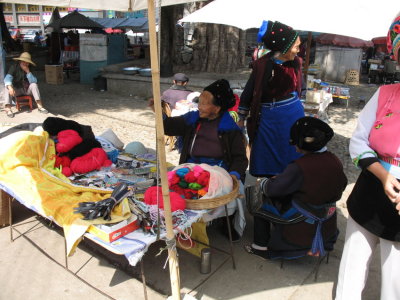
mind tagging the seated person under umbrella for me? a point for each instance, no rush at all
(211, 136)
(314, 182)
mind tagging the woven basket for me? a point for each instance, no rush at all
(352, 77)
(214, 202)
(4, 209)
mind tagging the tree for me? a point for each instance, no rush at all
(199, 47)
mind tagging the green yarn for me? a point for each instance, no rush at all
(183, 184)
(195, 186)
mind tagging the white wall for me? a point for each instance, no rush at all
(336, 61)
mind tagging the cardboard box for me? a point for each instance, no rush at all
(54, 74)
(111, 232)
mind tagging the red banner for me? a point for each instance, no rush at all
(28, 19)
(9, 18)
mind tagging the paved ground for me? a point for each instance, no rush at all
(30, 272)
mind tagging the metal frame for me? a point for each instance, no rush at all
(230, 253)
(12, 239)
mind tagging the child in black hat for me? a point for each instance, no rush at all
(314, 180)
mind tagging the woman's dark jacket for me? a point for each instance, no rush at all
(229, 134)
(313, 180)
(269, 82)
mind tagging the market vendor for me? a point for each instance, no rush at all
(20, 81)
(210, 135)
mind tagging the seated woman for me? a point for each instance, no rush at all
(211, 136)
(311, 182)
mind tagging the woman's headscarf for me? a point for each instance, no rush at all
(393, 39)
(223, 94)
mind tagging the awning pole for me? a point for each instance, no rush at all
(155, 73)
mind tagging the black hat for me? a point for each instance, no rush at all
(279, 37)
(181, 77)
(310, 134)
(223, 94)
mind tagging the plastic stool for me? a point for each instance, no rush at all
(23, 100)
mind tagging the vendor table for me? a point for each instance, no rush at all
(319, 110)
(345, 98)
(133, 245)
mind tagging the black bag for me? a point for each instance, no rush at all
(254, 197)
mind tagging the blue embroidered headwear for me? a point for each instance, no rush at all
(279, 37)
(393, 39)
(263, 29)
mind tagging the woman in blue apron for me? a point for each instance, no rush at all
(270, 100)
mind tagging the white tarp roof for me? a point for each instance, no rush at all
(118, 5)
(362, 19)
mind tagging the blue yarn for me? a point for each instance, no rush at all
(182, 172)
(113, 155)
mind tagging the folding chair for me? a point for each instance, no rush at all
(298, 212)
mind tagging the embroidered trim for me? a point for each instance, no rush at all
(357, 159)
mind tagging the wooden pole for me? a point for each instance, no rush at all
(307, 64)
(155, 73)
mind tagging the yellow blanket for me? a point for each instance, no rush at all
(27, 169)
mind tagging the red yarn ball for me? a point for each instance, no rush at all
(190, 177)
(150, 198)
(93, 160)
(67, 139)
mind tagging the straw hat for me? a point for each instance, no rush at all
(25, 56)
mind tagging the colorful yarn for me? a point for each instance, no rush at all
(153, 193)
(187, 183)
(95, 159)
(189, 177)
(67, 139)
(182, 172)
(201, 192)
(197, 170)
(195, 186)
(204, 178)
(174, 179)
(183, 184)
(178, 189)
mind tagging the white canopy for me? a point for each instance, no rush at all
(362, 19)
